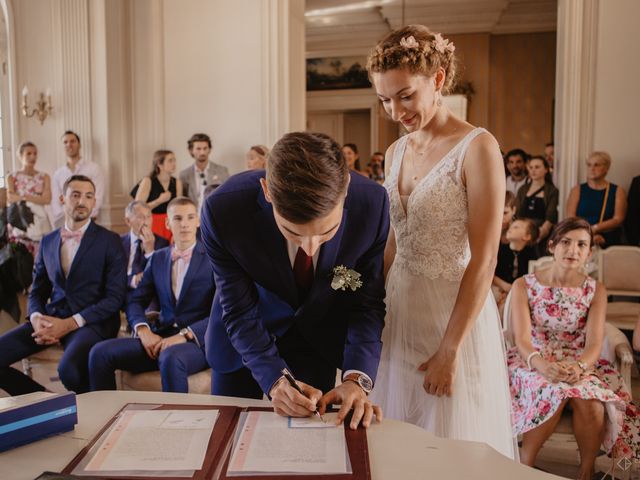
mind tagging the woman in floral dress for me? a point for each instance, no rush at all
(33, 187)
(558, 317)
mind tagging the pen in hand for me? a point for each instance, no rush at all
(292, 381)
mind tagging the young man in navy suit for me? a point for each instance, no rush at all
(140, 242)
(182, 279)
(282, 246)
(79, 286)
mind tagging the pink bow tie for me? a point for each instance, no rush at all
(67, 235)
(186, 255)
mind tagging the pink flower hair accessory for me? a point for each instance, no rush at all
(409, 42)
(441, 44)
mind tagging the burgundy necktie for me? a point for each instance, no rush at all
(303, 272)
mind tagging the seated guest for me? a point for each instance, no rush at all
(175, 345)
(376, 167)
(79, 285)
(558, 316)
(516, 163)
(601, 203)
(508, 214)
(158, 189)
(538, 199)
(256, 158)
(33, 187)
(140, 243)
(514, 256)
(632, 220)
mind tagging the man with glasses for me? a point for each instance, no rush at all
(203, 173)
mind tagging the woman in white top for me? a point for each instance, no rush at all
(443, 365)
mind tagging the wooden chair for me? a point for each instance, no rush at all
(619, 271)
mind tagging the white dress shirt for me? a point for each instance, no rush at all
(68, 250)
(514, 185)
(200, 187)
(178, 272)
(83, 167)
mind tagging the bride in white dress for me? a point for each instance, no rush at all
(443, 365)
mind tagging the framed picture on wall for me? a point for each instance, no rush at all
(336, 73)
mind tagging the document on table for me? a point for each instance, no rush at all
(155, 440)
(268, 444)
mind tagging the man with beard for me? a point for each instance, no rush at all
(79, 286)
(203, 173)
(516, 165)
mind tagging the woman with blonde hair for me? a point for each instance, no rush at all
(257, 157)
(601, 203)
(443, 364)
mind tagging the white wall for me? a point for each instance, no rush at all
(617, 99)
(212, 67)
(135, 76)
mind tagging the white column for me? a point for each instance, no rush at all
(575, 78)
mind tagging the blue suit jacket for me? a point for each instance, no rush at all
(256, 296)
(126, 244)
(96, 286)
(194, 305)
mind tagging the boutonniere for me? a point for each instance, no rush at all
(344, 278)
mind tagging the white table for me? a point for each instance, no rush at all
(397, 450)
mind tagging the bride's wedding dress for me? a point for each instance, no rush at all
(432, 252)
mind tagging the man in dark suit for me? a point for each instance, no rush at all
(182, 279)
(79, 286)
(632, 220)
(140, 242)
(283, 247)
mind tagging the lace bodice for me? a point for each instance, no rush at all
(431, 234)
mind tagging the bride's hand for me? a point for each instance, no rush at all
(440, 371)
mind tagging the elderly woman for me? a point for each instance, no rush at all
(602, 203)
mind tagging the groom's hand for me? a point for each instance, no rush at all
(349, 395)
(288, 402)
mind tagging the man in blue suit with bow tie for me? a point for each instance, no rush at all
(139, 242)
(182, 280)
(298, 261)
(79, 286)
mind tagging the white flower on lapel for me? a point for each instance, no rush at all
(344, 278)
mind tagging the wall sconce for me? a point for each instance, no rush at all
(43, 106)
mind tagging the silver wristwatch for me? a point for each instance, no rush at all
(185, 333)
(362, 381)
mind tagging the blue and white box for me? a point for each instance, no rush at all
(27, 418)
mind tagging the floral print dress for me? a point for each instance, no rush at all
(558, 331)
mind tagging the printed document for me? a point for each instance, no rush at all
(267, 444)
(156, 440)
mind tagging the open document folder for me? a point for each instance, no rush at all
(144, 441)
(270, 444)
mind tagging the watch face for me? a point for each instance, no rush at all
(365, 383)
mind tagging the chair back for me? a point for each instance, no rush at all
(540, 263)
(618, 268)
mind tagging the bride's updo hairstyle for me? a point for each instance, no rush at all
(417, 49)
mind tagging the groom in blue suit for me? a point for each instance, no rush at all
(79, 286)
(298, 262)
(181, 278)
